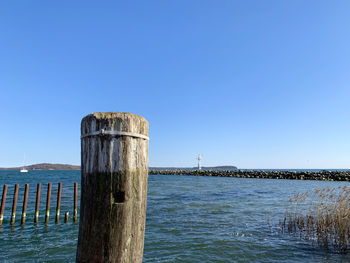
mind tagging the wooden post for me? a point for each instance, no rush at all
(66, 217)
(48, 198)
(3, 201)
(37, 203)
(58, 206)
(14, 205)
(24, 207)
(114, 174)
(75, 214)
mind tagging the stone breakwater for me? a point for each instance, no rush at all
(322, 175)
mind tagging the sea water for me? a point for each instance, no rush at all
(189, 219)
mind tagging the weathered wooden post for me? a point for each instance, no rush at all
(14, 204)
(48, 199)
(3, 201)
(37, 203)
(114, 174)
(24, 207)
(75, 212)
(66, 217)
(58, 206)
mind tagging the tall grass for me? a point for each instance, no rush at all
(322, 216)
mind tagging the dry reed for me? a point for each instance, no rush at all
(322, 216)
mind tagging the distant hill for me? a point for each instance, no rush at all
(46, 166)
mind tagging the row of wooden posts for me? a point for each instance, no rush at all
(48, 199)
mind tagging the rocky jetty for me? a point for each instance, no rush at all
(322, 175)
(221, 167)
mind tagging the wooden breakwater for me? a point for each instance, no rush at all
(37, 204)
(322, 175)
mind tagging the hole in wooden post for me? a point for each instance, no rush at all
(119, 197)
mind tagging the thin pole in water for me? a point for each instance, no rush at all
(48, 198)
(37, 202)
(66, 217)
(58, 203)
(75, 215)
(3, 201)
(24, 207)
(14, 205)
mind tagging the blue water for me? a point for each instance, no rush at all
(189, 219)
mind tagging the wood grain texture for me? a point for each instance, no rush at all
(114, 174)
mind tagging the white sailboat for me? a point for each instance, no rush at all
(24, 170)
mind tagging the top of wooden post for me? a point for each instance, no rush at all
(101, 131)
(114, 121)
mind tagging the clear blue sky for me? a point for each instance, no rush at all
(257, 84)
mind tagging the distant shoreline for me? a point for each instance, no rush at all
(57, 166)
(46, 166)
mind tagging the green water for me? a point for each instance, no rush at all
(189, 219)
